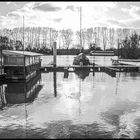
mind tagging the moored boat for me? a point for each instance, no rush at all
(124, 61)
(20, 65)
(81, 60)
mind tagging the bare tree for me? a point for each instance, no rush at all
(44, 36)
(66, 36)
(104, 36)
(89, 36)
(112, 38)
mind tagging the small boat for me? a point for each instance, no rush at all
(124, 61)
(81, 60)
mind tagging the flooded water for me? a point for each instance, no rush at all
(80, 106)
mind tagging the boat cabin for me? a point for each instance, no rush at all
(20, 64)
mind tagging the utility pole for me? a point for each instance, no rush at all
(81, 47)
(50, 38)
(23, 48)
(23, 34)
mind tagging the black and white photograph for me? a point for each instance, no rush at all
(69, 69)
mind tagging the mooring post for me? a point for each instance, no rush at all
(54, 54)
(93, 69)
(66, 72)
(55, 83)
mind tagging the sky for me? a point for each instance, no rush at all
(62, 15)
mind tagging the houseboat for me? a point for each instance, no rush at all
(20, 65)
(2, 74)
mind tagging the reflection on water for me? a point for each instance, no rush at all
(23, 92)
(14, 98)
(2, 95)
(51, 106)
(54, 84)
(82, 74)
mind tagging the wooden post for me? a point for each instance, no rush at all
(66, 72)
(23, 50)
(93, 69)
(24, 59)
(118, 48)
(54, 54)
(1, 67)
(55, 83)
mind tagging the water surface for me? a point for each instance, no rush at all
(51, 106)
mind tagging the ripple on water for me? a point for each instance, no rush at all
(88, 108)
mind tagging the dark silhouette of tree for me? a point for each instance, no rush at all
(18, 45)
(4, 42)
(130, 47)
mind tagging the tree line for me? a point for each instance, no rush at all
(40, 39)
(129, 48)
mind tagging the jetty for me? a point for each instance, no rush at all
(96, 68)
(92, 67)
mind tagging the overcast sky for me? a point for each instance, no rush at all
(61, 15)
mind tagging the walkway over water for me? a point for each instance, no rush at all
(110, 70)
(97, 68)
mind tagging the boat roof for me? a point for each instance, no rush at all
(20, 53)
